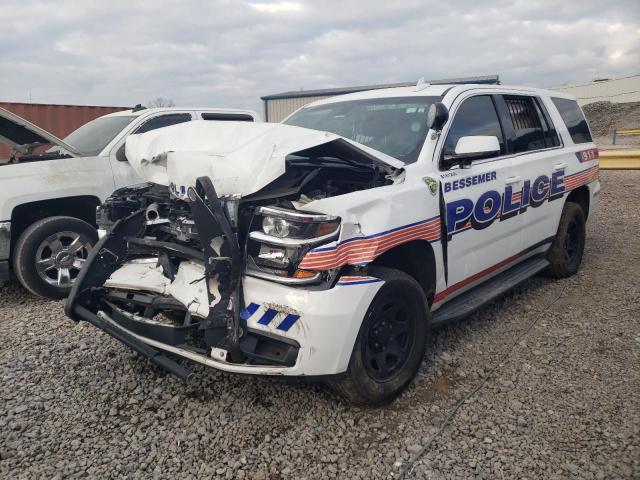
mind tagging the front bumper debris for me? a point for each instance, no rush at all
(156, 356)
(174, 287)
(128, 315)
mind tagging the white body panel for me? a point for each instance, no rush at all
(240, 158)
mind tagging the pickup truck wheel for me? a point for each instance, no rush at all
(390, 344)
(50, 253)
(565, 253)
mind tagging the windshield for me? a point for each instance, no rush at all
(91, 138)
(395, 126)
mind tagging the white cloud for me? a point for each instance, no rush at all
(277, 7)
(229, 53)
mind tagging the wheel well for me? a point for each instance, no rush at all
(415, 258)
(581, 197)
(82, 207)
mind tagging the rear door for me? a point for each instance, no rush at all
(478, 243)
(539, 168)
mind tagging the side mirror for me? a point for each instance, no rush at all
(473, 147)
(120, 155)
(437, 116)
(477, 146)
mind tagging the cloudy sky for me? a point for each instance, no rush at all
(229, 53)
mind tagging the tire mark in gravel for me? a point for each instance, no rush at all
(406, 470)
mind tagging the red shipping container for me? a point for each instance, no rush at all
(60, 120)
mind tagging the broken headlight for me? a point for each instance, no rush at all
(280, 238)
(281, 223)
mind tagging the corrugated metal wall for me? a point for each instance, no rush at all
(280, 108)
(619, 90)
(60, 120)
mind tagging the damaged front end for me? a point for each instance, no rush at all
(167, 277)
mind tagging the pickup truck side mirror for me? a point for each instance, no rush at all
(120, 155)
(437, 116)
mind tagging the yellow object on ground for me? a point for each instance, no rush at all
(620, 159)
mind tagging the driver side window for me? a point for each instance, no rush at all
(476, 116)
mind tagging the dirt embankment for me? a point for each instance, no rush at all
(603, 116)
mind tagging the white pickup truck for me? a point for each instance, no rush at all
(48, 200)
(326, 246)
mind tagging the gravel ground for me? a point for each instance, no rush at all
(555, 367)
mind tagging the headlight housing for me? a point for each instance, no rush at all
(280, 238)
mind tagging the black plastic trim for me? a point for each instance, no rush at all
(4, 270)
(156, 356)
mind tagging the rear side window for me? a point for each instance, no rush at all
(529, 130)
(574, 119)
(476, 116)
(163, 121)
(227, 117)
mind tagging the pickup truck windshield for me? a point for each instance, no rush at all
(395, 126)
(91, 138)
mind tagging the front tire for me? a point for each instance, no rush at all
(50, 253)
(390, 344)
(565, 253)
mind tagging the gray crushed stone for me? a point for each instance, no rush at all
(564, 404)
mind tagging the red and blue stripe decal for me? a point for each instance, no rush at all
(269, 315)
(571, 182)
(363, 250)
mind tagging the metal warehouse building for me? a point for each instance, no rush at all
(279, 105)
(617, 90)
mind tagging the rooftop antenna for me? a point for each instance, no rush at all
(421, 85)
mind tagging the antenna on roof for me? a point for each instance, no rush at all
(421, 85)
(138, 107)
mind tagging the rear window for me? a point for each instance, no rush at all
(573, 119)
(529, 132)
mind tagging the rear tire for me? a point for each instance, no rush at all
(565, 253)
(390, 344)
(49, 254)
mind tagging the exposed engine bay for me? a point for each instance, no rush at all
(171, 264)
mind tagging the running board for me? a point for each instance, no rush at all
(468, 302)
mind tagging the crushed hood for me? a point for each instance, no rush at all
(23, 136)
(239, 157)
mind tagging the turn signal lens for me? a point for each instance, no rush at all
(303, 274)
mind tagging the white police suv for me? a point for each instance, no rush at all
(327, 246)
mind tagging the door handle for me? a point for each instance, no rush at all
(512, 180)
(560, 166)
